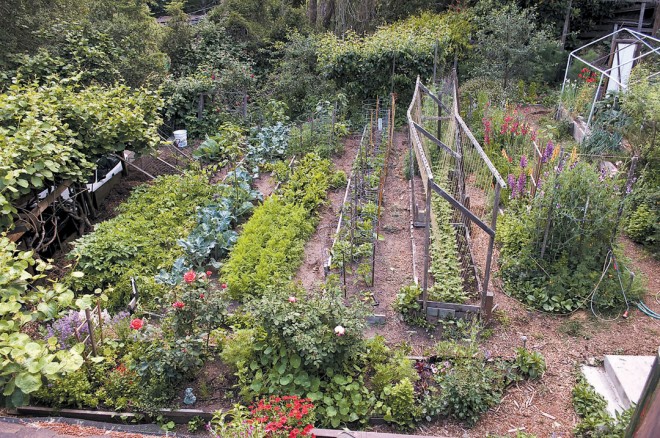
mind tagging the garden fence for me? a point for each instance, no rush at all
(453, 165)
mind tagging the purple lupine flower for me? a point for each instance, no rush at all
(547, 153)
(522, 180)
(511, 180)
(523, 161)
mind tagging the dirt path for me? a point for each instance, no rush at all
(310, 274)
(566, 342)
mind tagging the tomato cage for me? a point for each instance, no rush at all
(353, 251)
(460, 190)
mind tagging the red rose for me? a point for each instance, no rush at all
(223, 285)
(136, 324)
(189, 276)
(209, 273)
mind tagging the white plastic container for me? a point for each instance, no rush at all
(181, 138)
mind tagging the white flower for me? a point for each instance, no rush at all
(340, 331)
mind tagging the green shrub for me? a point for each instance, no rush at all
(642, 224)
(362, 66)
(468, 389)
(71, 391)
(307, 327)
(407, 305)
(581, 206)
(396, 369)
(399, 405)
(529, 364)
(595, 421)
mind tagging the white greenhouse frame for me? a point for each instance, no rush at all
(613, 73)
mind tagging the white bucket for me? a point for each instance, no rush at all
(181, 138)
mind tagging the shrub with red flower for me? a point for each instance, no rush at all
(284, 417)
(137, 324)
(588, 76)
(189, 277)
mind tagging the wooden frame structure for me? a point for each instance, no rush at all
(458, 145)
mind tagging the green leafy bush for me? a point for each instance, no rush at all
(55, 132)
(642, 226)
(304, 346)
(576, 207)
(26, 362)
(468, 389)
(399, 404)
(226, 146)
(362, 66)
(142, 239)
(407, 305)
(529, 364)
(595, 421)
(72, 391)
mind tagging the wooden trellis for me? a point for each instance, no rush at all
(465, 175)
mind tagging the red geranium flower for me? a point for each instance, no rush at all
(223, 285)
(178, 305)
(136, 324)
(209, 273)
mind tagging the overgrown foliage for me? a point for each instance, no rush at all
(27, 299)
(53, 133)
(595, 421)
(391, 58)
(553, 253)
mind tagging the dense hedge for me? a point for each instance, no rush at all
(393, 56)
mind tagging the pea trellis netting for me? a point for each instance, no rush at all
(453, 167)
(357, 233)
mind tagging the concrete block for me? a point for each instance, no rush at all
(597, 377)
(628, 374)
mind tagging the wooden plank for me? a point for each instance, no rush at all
(464, 210)
(436, 141)
(433, 97)
(467, 308)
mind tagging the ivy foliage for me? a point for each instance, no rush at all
(25, 299)
(142, 239)
(55, 132)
